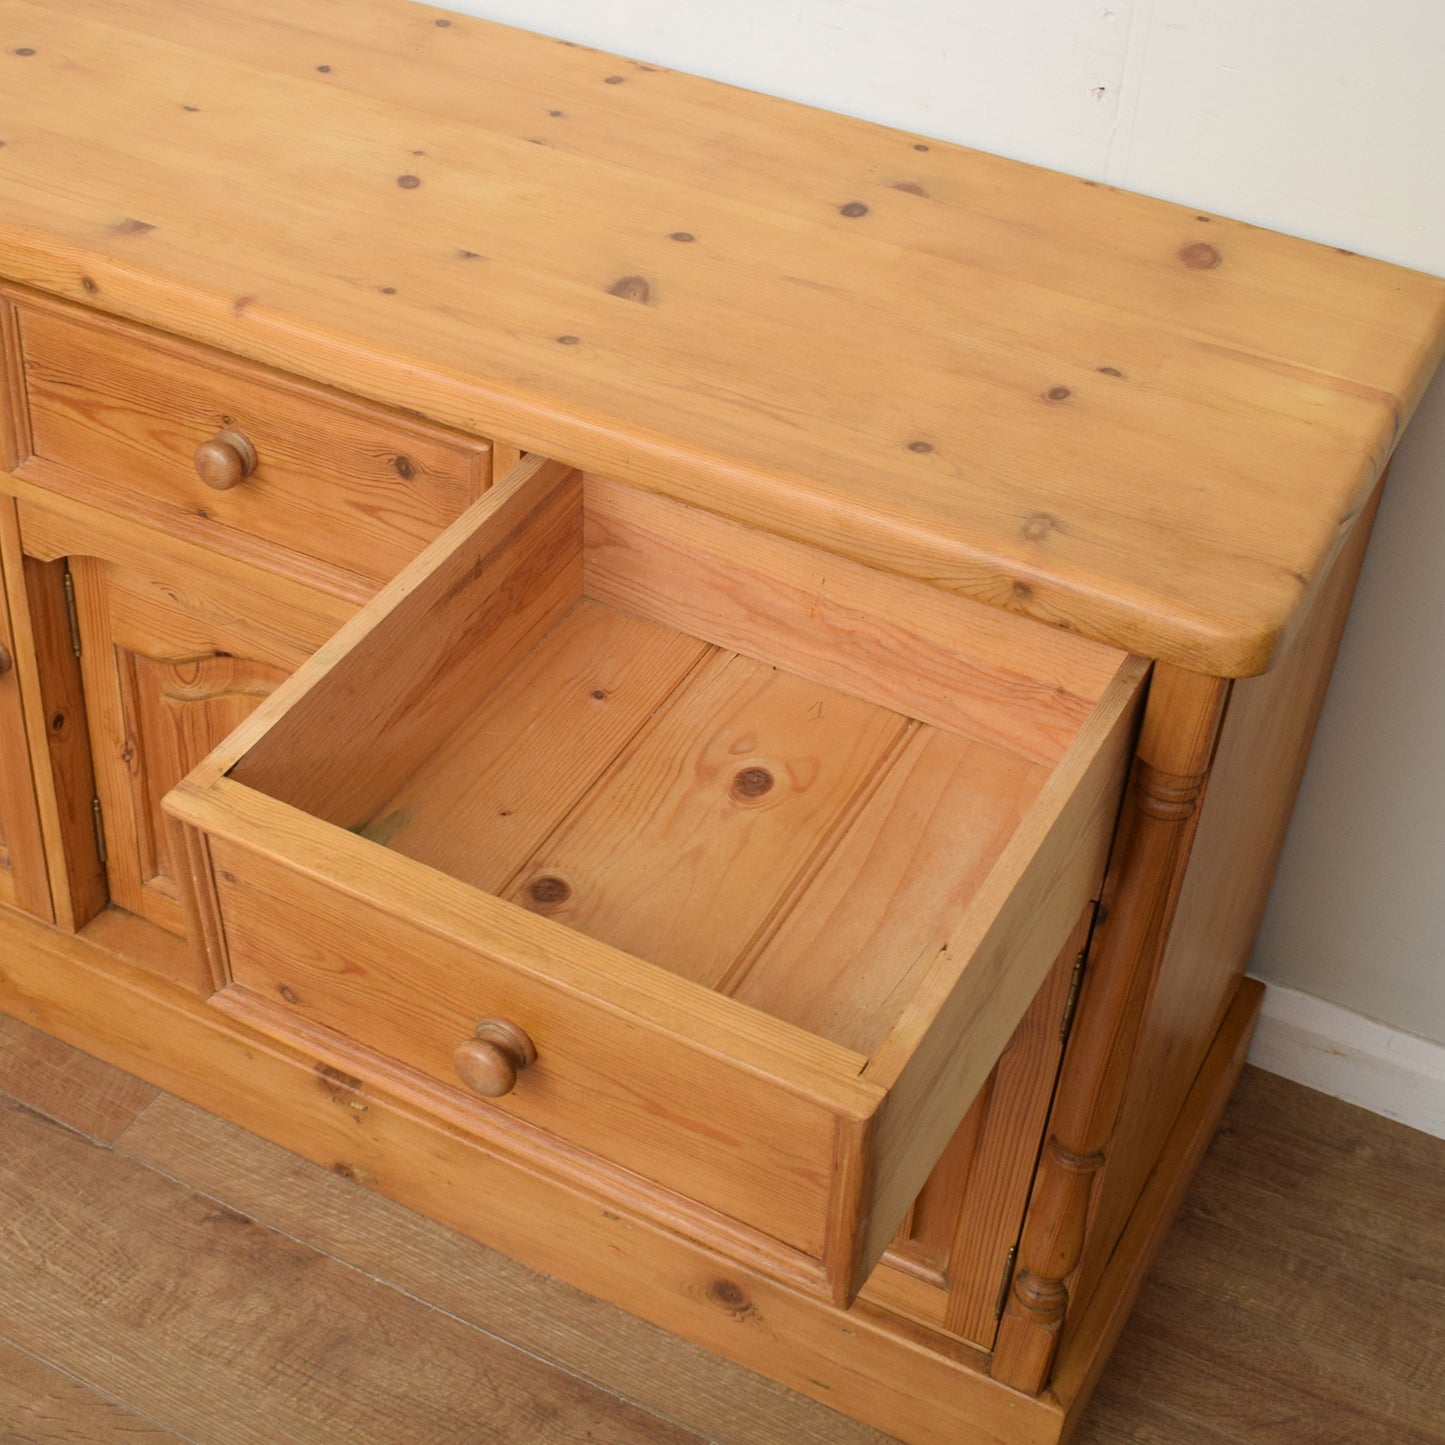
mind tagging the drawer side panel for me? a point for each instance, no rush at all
(983, 981)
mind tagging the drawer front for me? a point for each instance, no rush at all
(135, 420)
(604, 1079)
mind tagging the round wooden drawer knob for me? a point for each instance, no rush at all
(489, 1062)
(226, 460)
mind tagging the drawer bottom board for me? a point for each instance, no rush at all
(755, 832)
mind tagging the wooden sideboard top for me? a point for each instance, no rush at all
(1115, 414)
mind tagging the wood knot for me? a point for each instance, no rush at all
(921, 448)
(131, 227)
(289, 994)
(408, 182)
(919, 146)
(683, 236)
(853, 210)
(1200, 256)
(912, 187)
(614, 80)
(442, 24)
(569, 341)
(729, 1296)
(89, 285)
(632, 288)
(549, 891)
(1057, 393)
(1038, 526)
(403, 467)
(752, 783)
(24, 50)
(1109, 371)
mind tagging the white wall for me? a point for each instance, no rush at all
(1325, 118)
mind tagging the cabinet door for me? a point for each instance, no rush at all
(172, 663)
(953, 1255)
(23, 881)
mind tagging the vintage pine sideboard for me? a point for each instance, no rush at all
(704, 691)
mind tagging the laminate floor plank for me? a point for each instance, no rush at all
(41, 1406)
(676, 1379)
(67, 1085)
(219, 1328)
(1299, 1298)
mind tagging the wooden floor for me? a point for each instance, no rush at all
(165, 1276)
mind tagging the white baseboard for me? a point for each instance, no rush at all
(1352, 1057)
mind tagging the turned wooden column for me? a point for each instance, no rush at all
(1181, 725)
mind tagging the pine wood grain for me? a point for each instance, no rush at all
(115, 1272)
(843, 957)
(57, 723)
(605, 1079)
(67, 1085)
(40, 1405)
(353, 486)
(1059, 355)
(23, 878)
(972, 993)
(24, 881)
(171, 667)
(689, 849)
(874, 635)
(489, 797)
(482, 595)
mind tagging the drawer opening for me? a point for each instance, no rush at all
(767, 852)
(670, 761)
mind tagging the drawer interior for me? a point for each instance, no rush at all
(671, 764)
(713, 814)
(768, 851)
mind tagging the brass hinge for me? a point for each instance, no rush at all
(1071, 1003)
(99, 824)
(1008, 1279)
(71, 613)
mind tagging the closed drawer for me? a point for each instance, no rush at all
(765, 854)
(139, 422)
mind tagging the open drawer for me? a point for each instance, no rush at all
(710, 857)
